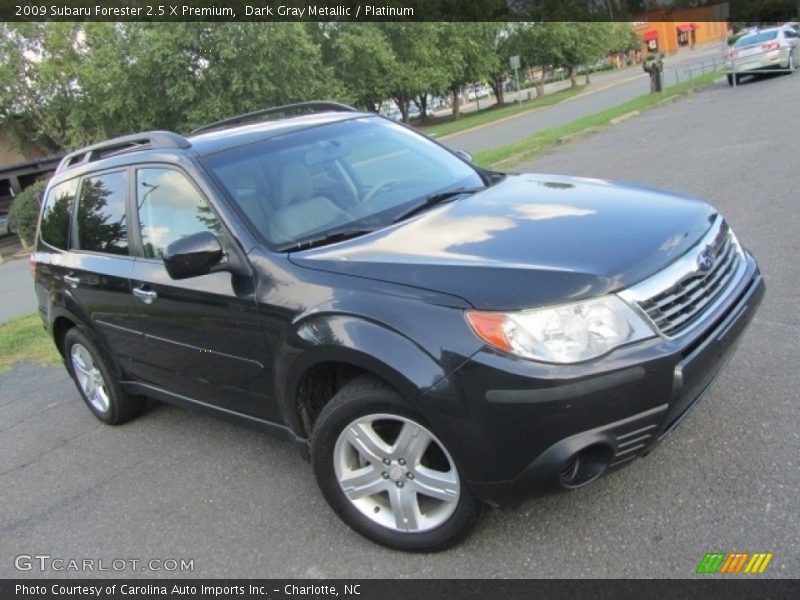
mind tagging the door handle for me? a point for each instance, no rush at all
(145, 295)
(72, 281)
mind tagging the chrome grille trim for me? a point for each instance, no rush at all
(677, 298)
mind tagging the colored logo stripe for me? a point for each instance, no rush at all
(711, 562)
(758, 563)
(721, 562)
(735, 562)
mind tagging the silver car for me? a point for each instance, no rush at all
(774, 48)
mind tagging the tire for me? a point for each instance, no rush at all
(730, 79)
(96, 382)
(392, 507)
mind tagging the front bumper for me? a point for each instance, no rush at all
(515, 427)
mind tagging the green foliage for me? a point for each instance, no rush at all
(364, 62)
(554, 45)
(24, 213)
(421, 65)
(69, 84)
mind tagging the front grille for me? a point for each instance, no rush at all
(680, 305)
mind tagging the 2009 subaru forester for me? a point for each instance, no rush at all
(435, 335)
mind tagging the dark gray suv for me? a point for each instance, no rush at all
(433, 335)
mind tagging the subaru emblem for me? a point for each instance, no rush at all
(705, 260)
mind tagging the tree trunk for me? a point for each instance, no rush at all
(403, 103)
(422, 105)
(456, 102)
(497, 90)
(540, 83)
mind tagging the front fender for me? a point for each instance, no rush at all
(362, 343)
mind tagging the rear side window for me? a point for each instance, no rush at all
(170, 208)
(54, 229)
(102, 226)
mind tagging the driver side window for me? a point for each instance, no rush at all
(170, 208)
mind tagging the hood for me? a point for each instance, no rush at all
(527, 241)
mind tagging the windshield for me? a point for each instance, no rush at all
(756, 38)
(356, 175)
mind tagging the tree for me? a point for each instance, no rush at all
(469, 55)
(499, 68)
(364, 62)
(72, 84)
(284, 65)
(538, 45)
(38, 69)
(419, 65)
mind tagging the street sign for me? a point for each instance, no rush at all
(514, 60)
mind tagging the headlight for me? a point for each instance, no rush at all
(566, 333)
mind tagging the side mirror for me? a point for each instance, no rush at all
(194, 255)
(464, 155)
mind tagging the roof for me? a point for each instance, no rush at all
(223, 139)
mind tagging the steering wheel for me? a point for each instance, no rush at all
(377, 188)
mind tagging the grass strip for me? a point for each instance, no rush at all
(24, 340)
(447, 125)
(511, 154)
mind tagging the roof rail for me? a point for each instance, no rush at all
(297, 107)
(146, 140)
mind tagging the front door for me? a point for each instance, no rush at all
(204, 336)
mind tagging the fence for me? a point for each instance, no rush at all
(714, 65)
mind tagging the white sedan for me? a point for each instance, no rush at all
(774, 48)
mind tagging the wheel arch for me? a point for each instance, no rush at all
(330, 350)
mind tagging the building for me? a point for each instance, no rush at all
(670, 31)
(19, 170)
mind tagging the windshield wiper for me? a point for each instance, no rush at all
(433, 200)
(328, 238)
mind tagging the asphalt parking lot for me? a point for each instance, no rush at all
(175, 484)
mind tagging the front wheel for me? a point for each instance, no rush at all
(386, 474)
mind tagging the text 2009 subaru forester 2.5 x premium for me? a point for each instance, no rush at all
(437, 336)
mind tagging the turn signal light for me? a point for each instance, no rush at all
(489, 327)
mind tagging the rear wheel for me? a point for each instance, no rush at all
(96, 383)
(386, 474)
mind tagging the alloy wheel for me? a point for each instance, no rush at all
(89, 378)
(396, 473)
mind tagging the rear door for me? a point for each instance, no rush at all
(96, 271)
(52, 244)
(204, 335)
